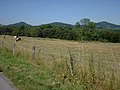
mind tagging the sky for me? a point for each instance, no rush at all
(36, 12)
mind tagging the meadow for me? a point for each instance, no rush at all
(61, 64)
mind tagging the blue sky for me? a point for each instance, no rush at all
(36, 12)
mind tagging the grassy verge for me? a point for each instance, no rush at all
(54, 75)
(25, 75)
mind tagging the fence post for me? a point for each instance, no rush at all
(71, 64)
(33, 52)
(2, 44)
(14, 48)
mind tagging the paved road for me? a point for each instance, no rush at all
(5, 84)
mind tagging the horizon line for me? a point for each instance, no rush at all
(54, 22)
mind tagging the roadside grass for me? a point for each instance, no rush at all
(25, 75)
(62, 65)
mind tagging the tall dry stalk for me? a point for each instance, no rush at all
(92, 69)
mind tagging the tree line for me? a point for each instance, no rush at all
(81, 31)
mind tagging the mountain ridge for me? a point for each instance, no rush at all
(61, 24)
(107, 25)
(20, 24)
(99, 25)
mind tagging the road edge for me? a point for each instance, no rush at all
(8, 81)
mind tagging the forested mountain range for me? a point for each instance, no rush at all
(99, 25)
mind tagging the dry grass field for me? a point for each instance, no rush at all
(93, 64)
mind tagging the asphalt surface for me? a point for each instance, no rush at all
(5, 84)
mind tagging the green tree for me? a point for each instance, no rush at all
(85, 21)
(91, 25)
